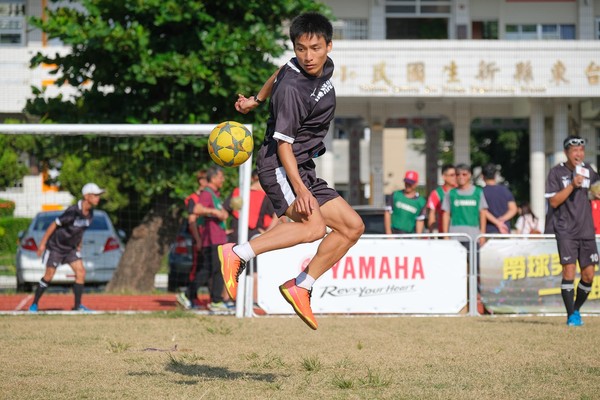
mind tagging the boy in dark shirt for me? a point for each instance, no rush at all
(567, 189)
(61, 244)
(301, 108)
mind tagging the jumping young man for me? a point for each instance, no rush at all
(567, 193)
(301, 107)
(62, 242)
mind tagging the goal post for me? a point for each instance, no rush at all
(244, 304)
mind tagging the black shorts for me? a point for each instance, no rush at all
(53, 258)
(572, 250)
(280, 191)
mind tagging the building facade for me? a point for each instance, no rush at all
(402, 64)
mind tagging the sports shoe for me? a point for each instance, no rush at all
(575, 319)
(218, 307)
(230, 305)
(33, 308)
(299, 298)
(184, 301)
(231, 268)
(81, 308)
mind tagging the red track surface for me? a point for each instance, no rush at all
(96, 302)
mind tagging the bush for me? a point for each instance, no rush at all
(7, 208)
(9, 232)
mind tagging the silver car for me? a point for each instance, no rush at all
(101, 251)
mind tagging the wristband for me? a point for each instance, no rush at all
(259, 101)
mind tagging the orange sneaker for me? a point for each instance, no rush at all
(299, 298)
(231, 268)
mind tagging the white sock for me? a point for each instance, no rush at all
(244, 251)
(305, 281)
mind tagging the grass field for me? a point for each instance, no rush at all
(178, 355)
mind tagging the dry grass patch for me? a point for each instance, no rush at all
(181, 356)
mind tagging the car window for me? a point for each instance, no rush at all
(99, 223)
(373, 223)
(43, 221)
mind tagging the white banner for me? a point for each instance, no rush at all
(375, 276)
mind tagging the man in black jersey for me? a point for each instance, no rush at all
(301, 108)
(567, 193)
(62, 241)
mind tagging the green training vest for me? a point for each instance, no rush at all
(405, 211)
(464, 209)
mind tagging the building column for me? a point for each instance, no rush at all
(325, 163)
(586, 25)
(377, 197)
(560, 130)
(537, 159)
(377, 21)
(462, 134)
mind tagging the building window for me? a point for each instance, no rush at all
(598, 28)
(484, 30)
(540, 32)
(401, 8)
(12, 23)
(351, 29)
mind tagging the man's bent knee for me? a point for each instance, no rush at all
(315, 232)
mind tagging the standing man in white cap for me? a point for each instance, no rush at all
(62, 241)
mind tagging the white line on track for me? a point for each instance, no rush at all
(23, 302)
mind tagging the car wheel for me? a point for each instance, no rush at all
(172, 284)
(25, 287)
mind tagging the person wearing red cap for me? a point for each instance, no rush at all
(406, 208)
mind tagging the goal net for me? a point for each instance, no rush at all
(143, 167)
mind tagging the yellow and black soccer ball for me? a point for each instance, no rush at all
(230, 144)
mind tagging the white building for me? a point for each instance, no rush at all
(489, 59)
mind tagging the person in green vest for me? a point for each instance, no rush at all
(406, 208)
(465, 206)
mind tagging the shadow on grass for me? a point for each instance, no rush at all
(217, 373)
(524, 320)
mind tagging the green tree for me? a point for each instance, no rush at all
(154, 61)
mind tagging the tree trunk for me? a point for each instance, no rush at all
(145, 249)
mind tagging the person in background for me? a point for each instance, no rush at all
(406, 208)
(528, 223)
(213, 235)
(501, 202)
(594, 195)
(62, 243)
(567, 193)
(195, 222)
(434, 201)
(261, 218)
(465, 206)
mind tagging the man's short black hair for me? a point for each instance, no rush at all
(463, 167)
(446, 167)
(489, 171)
(212, 171)
(311, 23)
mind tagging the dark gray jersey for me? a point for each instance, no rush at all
(70, 227)
(573, 218)
(301, 108)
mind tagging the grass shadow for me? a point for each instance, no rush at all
(215, 373)
(523, 320)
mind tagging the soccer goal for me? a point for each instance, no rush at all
(133, 151)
